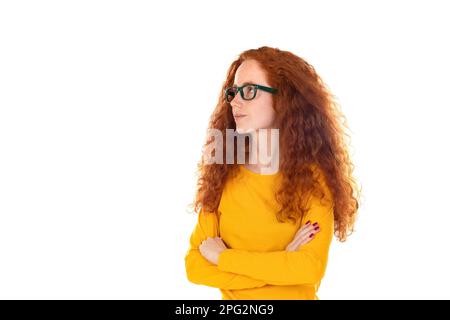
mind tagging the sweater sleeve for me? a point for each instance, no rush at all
(305, 266)
(201, 271)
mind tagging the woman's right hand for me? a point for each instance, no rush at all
(304, 235)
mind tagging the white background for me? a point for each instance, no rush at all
(104, 107)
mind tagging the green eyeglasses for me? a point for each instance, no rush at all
(248, 91)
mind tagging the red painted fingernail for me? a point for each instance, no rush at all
(311, 235)
(315, 224)
(316, 228)
(309, 221)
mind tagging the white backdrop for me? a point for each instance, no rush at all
(104, 107)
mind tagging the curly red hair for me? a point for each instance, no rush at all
(311, 136)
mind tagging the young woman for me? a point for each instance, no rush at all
(264, 231)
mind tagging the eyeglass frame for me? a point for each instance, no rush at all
(257, 86)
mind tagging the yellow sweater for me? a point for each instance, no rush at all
(256, 264)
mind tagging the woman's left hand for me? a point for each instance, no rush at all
(211, 249)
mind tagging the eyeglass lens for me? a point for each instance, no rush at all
(248, 91)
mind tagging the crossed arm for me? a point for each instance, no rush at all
(201, 271)
(240, 269)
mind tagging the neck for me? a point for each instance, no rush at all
(264, 150)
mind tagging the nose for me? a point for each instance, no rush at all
(237, 101)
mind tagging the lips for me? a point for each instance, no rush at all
(239, 116)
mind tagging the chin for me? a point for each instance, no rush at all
(244, 130)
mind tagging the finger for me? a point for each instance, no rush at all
(296, 245)
(308, 225)
(310, 233)
(223, 244)
(218, 241)
(302, 242)
(308, 237)
(305, 230)
(304, 238)
(298, 240)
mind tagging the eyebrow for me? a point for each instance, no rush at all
(247, 82)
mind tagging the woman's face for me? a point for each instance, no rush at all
(258, 113)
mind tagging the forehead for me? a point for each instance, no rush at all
(250, 71)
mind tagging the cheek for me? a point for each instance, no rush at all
(263, 116)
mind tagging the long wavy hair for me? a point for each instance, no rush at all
(311, 133)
